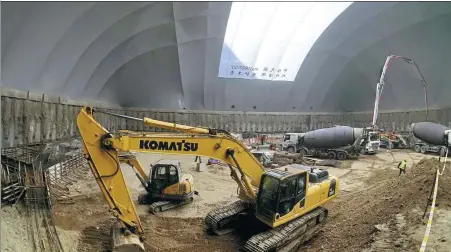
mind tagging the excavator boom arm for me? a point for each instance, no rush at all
(105, 166)
(137, 167)
(215, 146)
(161, 124)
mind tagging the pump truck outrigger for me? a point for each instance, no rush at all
(288, 200)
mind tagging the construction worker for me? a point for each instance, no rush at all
(263, 139)
(198, 158)
(402, 167)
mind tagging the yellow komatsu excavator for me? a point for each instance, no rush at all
(288, 201)
(166, 186)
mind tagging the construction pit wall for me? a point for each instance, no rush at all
(32, 117)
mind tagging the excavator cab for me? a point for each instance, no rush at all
(163, 174)
(167, 187)
(283, 192)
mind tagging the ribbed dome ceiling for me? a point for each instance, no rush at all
(166, 55)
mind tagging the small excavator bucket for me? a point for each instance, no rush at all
(125, 243)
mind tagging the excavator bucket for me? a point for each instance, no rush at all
(125, 243)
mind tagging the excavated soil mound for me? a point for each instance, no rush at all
(354, 217)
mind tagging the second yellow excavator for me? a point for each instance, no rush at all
(166, 187)
(288, 201)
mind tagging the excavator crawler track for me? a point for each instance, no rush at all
(288, 237)
(218, 219)
(161, 206)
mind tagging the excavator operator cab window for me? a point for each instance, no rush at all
(159, 177)
(164, 176)
(268, 196)
(301, 184)
(287, 195)
(281, 196)
(161, 172)
(173, 177)
(301, 189)
(167, 173)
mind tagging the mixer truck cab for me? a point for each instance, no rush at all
(372, 139)
(290, 142)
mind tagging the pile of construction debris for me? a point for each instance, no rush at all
(285, 158)
(32, 174)
(65, 174)
(23, 167)
(18, 164)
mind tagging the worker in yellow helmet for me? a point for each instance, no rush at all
(402, 167)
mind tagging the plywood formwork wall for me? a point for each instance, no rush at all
(29, 117)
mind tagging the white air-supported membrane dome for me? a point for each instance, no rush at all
(167, 55)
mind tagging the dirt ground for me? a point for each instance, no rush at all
(376, 210)
(174, 230)
(383, 211)
(14, 229)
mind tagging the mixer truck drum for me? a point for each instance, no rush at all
(335, 137)
(432, 133)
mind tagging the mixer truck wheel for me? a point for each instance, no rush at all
(417, 148)
(442, 152)
(423, 149)
(331, 155)
(342, 155)
(363, 152)
(290, 149)
(303, 152)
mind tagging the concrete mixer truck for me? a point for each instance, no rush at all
(432, 137)
(338, 142)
